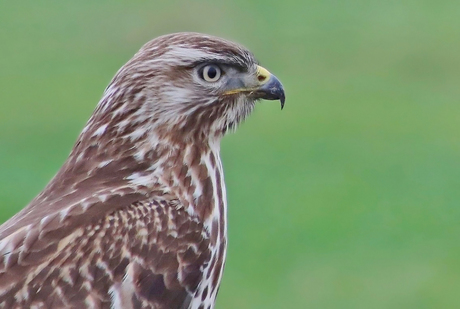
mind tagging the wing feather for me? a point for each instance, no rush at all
(147, 255)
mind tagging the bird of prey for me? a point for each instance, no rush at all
(137, 215)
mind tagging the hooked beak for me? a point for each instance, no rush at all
(270, 87)
(267, 86)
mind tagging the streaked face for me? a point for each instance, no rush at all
(189, 78)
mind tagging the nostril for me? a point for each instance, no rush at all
(261, 78)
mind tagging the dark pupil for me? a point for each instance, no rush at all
(212, 72)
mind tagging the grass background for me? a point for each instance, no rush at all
(348, 198)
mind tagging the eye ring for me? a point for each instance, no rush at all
(211, 73)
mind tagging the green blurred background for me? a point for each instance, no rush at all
(348, 198)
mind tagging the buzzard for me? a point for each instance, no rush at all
(137, 215)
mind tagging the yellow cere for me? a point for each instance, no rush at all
(263, 75)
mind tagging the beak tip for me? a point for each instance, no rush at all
(271, 90)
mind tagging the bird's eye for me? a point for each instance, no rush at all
(211, 73)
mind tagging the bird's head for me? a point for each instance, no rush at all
(188, 85)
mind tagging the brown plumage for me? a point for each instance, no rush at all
(136, 217)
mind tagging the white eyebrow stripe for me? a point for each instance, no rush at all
(191, 54)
